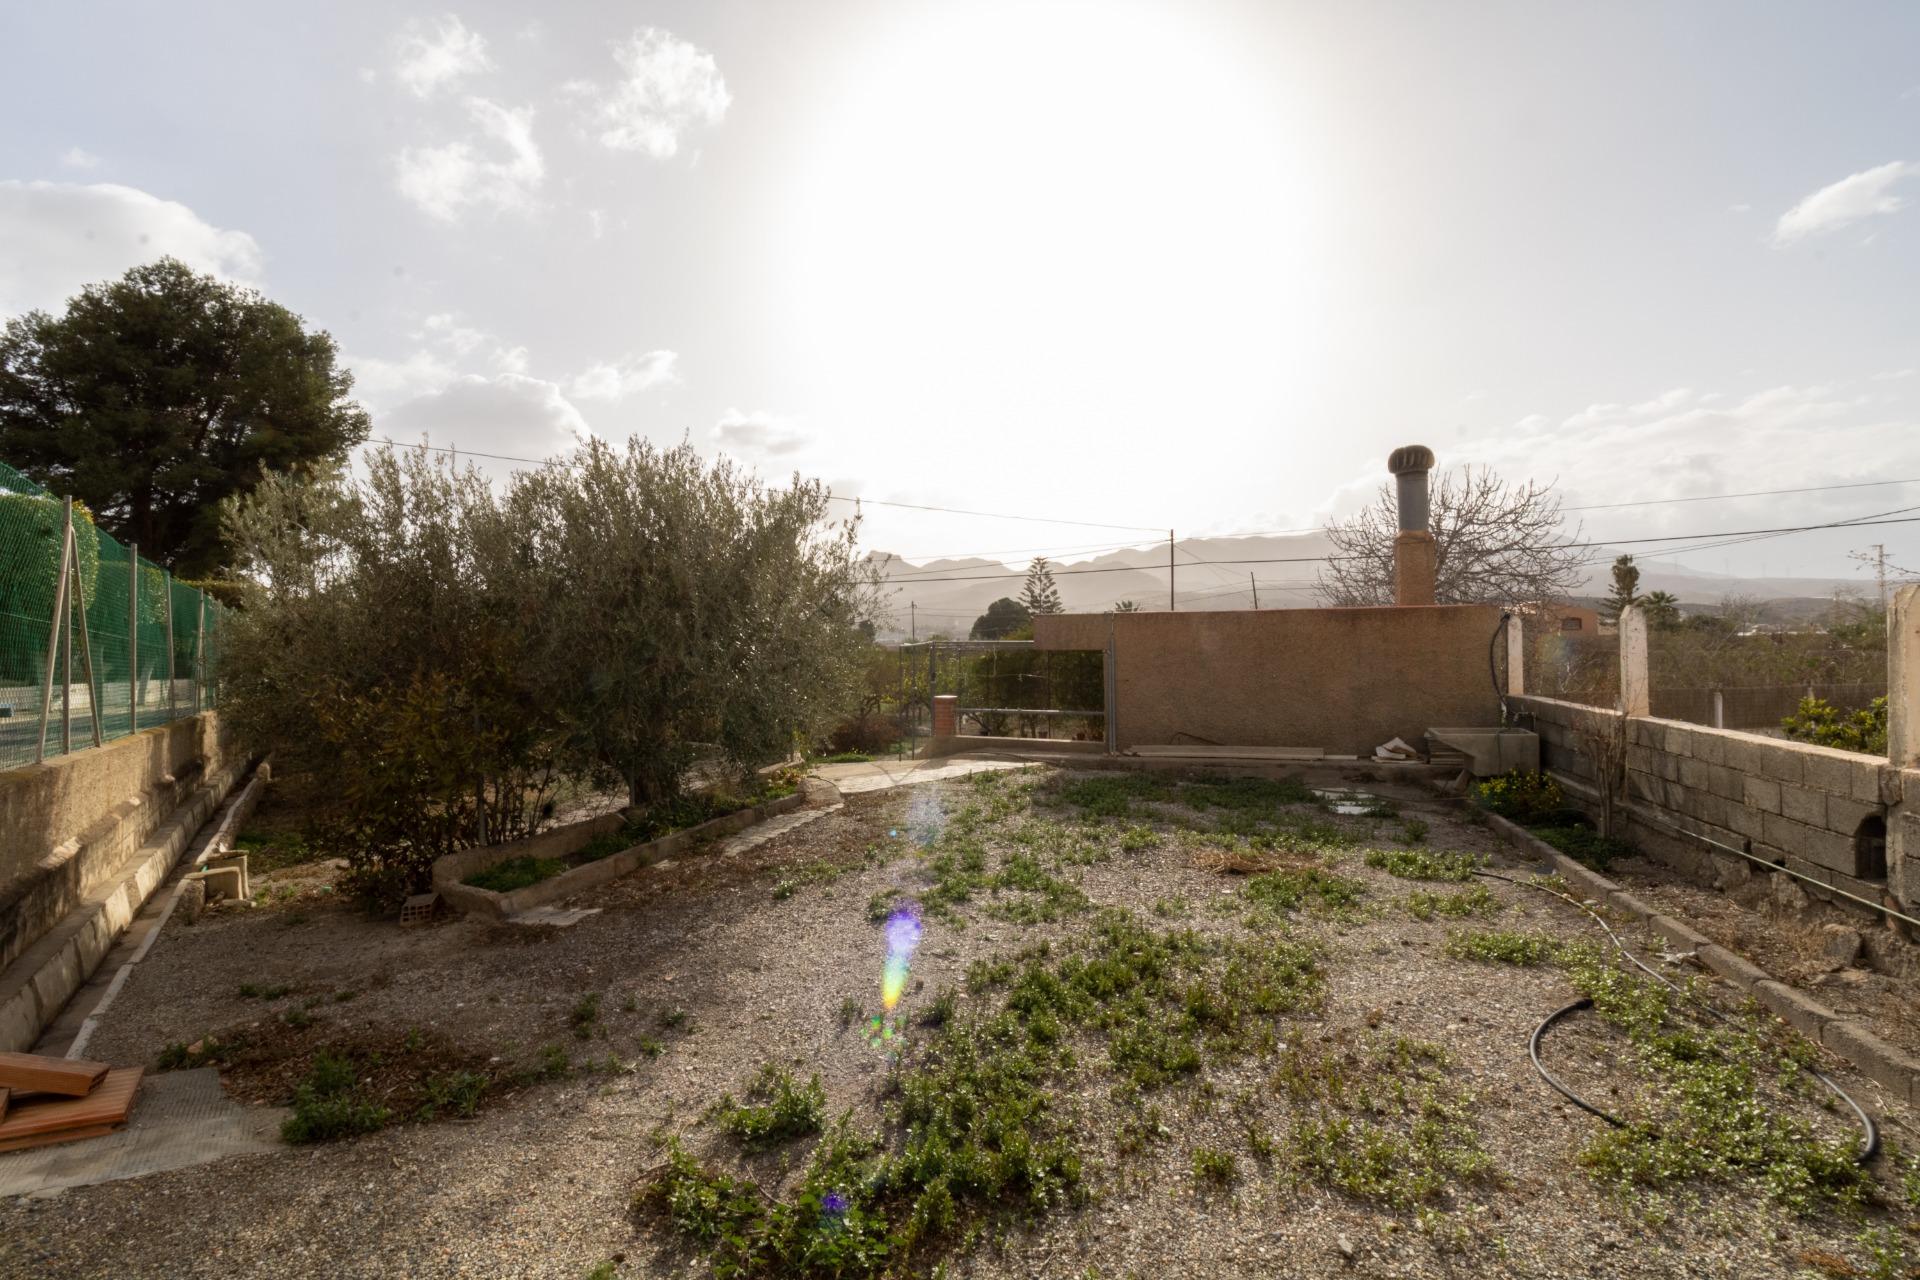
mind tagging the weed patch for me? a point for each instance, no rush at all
(777, 1109)
(1380, 1122)
(515, 873)
(1426, 864)
(1584, 844)
(1501, 946)
(1289, 890)
(1423, 905)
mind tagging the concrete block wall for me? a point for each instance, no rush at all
(1790, 803)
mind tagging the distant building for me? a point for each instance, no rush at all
(1569, 619)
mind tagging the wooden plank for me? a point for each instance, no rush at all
(5, 1094)
(33, 1124)
(33, 1073)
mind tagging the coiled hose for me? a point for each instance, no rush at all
(1869, 1132)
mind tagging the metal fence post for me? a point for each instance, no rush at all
(94, 685)
(173, 709)
(199, 650)
(68, 554)
(133, 639)
(53, 642)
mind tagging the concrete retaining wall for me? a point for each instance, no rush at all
(69, 825)
(1791, 803)
(1341, 679)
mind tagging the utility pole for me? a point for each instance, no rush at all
(1171, 606)
(1880, 571)
(913, 621)
(1256, 592)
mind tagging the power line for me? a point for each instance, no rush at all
(832, 497)
(1598, 542)
(1754, 493)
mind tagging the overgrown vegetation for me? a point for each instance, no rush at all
(777, 1109)
(1583, 844)
(1863, 729)
(515, 873)
(974, 1135)
(1501, 946)
(449, 654)
(1426, 864)
(1522, 796)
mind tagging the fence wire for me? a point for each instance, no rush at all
(144, 672)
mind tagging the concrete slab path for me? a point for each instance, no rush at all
(883, 775)
(180, 1118)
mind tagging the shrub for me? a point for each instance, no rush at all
(1521, 796)
(1819, 721)
(328, 1104)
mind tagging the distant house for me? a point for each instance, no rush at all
(1569, 619)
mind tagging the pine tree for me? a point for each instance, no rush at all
(1626, 589)
(1040, 595)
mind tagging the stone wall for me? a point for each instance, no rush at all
(1815, 810)
(1341, 679)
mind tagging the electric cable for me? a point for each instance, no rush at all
(1870, 1132)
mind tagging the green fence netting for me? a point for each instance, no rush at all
(133, 650)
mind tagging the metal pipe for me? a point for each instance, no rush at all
(53, 641)
(69, 554)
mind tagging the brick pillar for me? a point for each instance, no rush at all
(1636, 697)
(945, 717)
(1415, 557)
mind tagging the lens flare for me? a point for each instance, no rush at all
(903, 936)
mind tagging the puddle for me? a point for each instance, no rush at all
(1351, 803)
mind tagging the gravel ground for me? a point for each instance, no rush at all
(706, 969)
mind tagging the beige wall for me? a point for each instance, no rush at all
(1341, 679)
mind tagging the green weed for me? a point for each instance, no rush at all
(515, 873)
(584, 1017)
(778, 1109)
(1422, 905)
(328, 1104)
(1425, 864)
(1501, 946)
(1214, 1166)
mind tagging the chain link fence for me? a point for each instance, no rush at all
(118, 647)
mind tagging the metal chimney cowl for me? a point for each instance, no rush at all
(1414, 553)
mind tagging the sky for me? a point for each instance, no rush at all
(1143, 264)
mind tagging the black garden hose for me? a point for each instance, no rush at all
(1870, 1132)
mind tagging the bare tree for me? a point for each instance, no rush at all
(1496, 543)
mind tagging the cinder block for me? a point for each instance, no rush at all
(1746, 754)
(1762, 794)
(1710, 745)
(1803, 804)
(1745, 821)
(1696, 774)
(1831, 773)
(1730, 783)
(1642, 758)
(1782, 762)
(1844, 816)
(1815, 844)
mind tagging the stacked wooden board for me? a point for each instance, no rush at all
(48, 1100)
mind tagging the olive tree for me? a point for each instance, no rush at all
(683, 610)
(382, 648)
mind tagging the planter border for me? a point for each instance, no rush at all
(1885, 1064)
(451, 870)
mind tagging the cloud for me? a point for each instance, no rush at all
(759, 433)
(60, 236)
(506, 413)
(627, 377)
(445, 180)
(79, 158)
(1857, 196)
(667, 85)
(428, 61)
(445, 328)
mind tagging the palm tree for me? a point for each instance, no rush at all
(1125, 606)
(1663, 610)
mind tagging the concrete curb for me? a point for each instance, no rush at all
(471, 900)
(1892, 1068)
